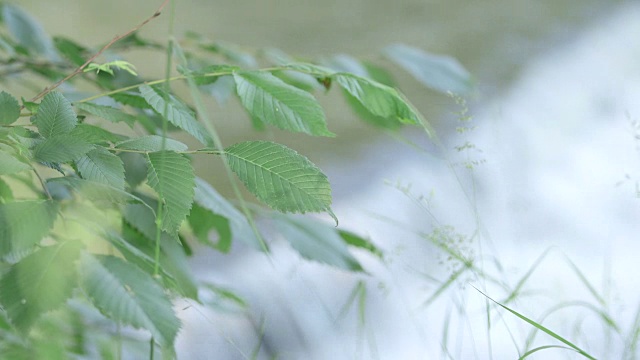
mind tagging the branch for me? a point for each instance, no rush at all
(79, 70)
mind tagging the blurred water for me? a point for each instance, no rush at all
(559, 172)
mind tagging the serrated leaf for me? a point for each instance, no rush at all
(11, 165)
(60, 149)
(24, 223)
(9, 108)
(95, 134)
(40, 282)
(127, 294)
(171, 176)
(28, 32)
(55, 116)
(311, 69)
(177, 112)
(317, 241)
(275, 102)
(441, 73)
(131, 99)
(101, 166)
(151, 143)
(108, 113)
(390, 123)
(378, 99)
(207, 197)
(280, 177)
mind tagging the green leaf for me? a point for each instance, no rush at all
(127, 294)
(390, 123)
(108, 113)
(70, 50)
(171, 176)
(40, 282)
(151, 143)
(317, 241)
(9, 108)
(55, 116)
(208, 198)
(24, 223)
(202, 221)
(280, 177)
(441, 73)
(311, 69)
(177, 112)
(135, 168)
(203, 76)
(378, 99)
(360, 242)
(275, 102)
(28, 32)
(95, 134)
(6, 195)
(101, 166)
(131, 99)
(60, 149)
(11, 165)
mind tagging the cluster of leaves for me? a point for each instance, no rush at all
(98, 205)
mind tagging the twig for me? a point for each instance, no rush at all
(77, 71)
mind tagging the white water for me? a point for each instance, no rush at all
(558, 146)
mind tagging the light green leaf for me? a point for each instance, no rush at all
(55, 116)
(95, 134)
(202, 221)
(40, 282)
(379, 99)
(363, 113)
(24, 223)
(60, 149)
(207, 197)
(360, 242)
(275, 102)
(28, 32)
(151, 143)
(11, 165)
(101, 166)
(6, 194)
(441, 73)
(108, 113)
(127, 294)
(317, 241)
(9, 108)
(178, 113)
(203, 76)
(171, 176)
(280, 177)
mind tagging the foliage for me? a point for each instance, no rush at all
(94, 214)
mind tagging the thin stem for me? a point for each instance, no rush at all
(79, 70)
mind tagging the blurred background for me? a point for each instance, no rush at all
(555, 168)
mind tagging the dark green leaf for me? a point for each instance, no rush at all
(207, 197)
(203, 76)
(275, 102)
(280, 177)
(441, 73)
(378, 99)
(171, 176)
(135, 168)
(152, 143)
(28, 32)
(39, 283)
(60, 149)
(70, 50)
(55, 116)
(317, 241)
(131, 99)
(390, 123)
(24, 223)
(101, 166)
(108, 113)
(9, 108)
(95, 135)
(126, 294)
(311, 69)
(6, 195)
(177, 112)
